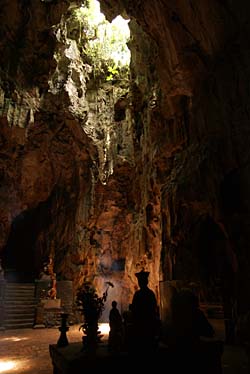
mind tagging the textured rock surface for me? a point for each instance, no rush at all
(174, 195)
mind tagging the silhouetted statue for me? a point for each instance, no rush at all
(144, 315)
(116, 329)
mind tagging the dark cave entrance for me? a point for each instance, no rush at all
(23, 254)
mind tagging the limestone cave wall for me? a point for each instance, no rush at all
(173, 197)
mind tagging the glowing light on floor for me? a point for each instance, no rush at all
(13, 339)
(14, 366)
(7, 365)
(104, 328)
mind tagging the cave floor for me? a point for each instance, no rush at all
(28, 350)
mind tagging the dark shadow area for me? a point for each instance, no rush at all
(22, 257)
(231, 193)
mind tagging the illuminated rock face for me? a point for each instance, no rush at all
(177, 147)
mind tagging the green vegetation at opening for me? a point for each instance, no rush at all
(103, 43)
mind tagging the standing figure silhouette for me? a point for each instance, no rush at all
(145, 316)
(116, 329)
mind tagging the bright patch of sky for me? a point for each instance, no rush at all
(114, 35)
(95, 15)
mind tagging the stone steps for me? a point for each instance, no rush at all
(16, 314)
(19, 305)
(20, 292)
(19, 325)
(19, 302)
(24, 309)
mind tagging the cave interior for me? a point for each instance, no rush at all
(110, 168)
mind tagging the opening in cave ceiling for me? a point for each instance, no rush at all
(104, 40)
(105, 46)
(93, 66)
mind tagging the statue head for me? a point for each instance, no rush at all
(142, 278)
